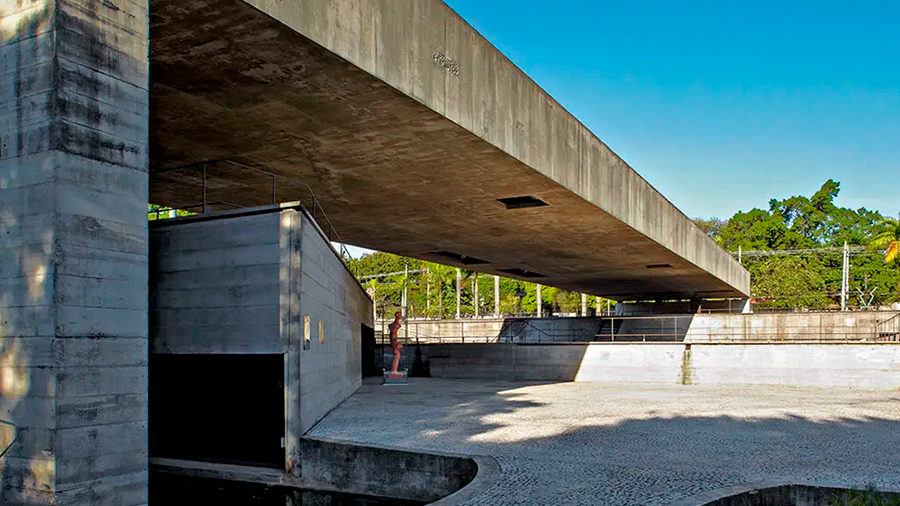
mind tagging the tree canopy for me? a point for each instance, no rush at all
(811, 279)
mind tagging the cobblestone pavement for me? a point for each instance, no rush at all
(593, 443)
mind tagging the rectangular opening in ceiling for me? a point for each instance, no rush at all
(522, 202)
(463, 259)
(522, 273)
(659, 266)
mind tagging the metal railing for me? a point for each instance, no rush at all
(296, 191)
(888, 330)
(749, 328)
(511, 330)
(741, 329)
(15, 435)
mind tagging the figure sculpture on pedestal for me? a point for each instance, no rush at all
(396, 345)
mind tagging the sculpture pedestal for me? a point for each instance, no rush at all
(400, 377)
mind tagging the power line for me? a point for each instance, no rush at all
(414, 271)
(854, 250)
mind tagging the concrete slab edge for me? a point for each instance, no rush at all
(487, 475)
(721, 493)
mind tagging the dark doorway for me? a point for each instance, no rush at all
(221, 408)
(369, 355)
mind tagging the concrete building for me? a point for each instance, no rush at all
(256, 328)
(419, 137)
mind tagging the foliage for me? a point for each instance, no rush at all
(431, 290)
(888, 239)
(785, 282)
(157, 212)
(711, 226)
(811, 280)
(868, 497)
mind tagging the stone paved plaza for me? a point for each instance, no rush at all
(593, 443)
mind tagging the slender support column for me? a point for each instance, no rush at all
(845, 277)
(540, 305)
(496, 296)
(458, 292)
(475, 292)
(584, 304)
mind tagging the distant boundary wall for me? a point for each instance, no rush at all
(856, 365)
(755, 327)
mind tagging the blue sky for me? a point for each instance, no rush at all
(722, 105)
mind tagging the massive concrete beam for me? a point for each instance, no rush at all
(410, 126)
(73, 251)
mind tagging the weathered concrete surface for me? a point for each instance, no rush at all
(331, 369)
(382, 471)
(760, 327)
(620, 444)
(787, 326)
(409, 125)
(247, 282)
(73, 251)
(872, 366)
(370, 470)
(474, 330)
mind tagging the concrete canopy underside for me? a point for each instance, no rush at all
(409, 126)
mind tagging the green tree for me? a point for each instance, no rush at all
(790, 282)
(888, 239)
(800, 222)
(158, 212)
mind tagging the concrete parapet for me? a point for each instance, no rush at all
(854, 365)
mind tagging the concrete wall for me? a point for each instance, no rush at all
(401, 42)
(820, 365)
(786, 326)
(329, 293)
(214, 286)
(373, 471)
(847, 326)
(499, 329)
(384, 472)
(73, 253)
(247, 282)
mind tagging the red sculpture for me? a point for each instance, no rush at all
(396, 345)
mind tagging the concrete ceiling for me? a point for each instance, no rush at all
(229, 82)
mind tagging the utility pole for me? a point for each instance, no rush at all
(540, 302)
(845, 277)
(405, 284)
(458, 291)
(584, 304)
(475, 292)
(496, 296)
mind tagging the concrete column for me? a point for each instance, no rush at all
(458, 291)
(540, 305)
(584, 304)
(496, 296)
(73, 254)
(599, 311)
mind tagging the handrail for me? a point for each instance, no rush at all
(15, 437)
(888, 328)
(316, 211)
(525, 326)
